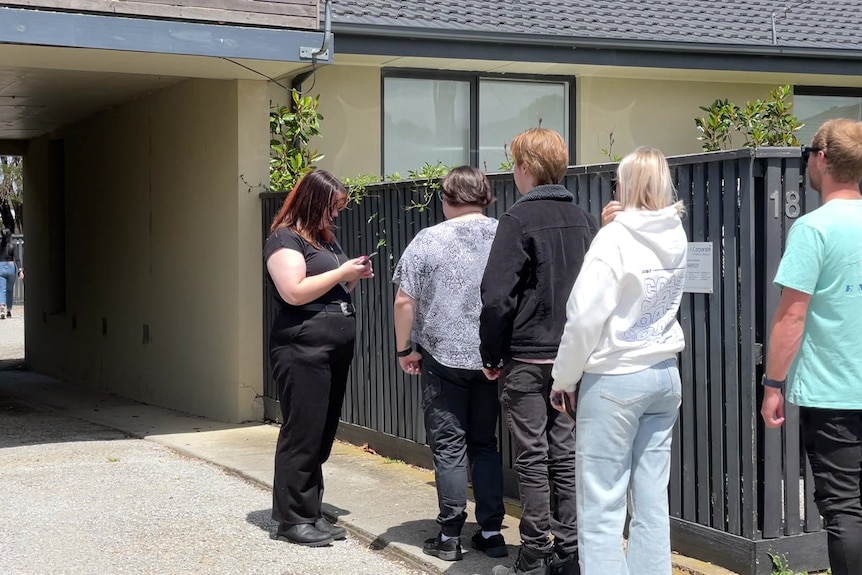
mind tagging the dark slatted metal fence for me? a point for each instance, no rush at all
(738, 491)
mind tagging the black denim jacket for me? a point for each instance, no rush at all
(536, 256)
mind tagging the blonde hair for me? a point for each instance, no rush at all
(645, 183)
(841, 141)
(543, 152)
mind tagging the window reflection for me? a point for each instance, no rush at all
(429, 120)
(425, 121)
(507, 108)
(814, 110)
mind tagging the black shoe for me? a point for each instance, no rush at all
(494, 546)
(324, 526)
(446, 550)
(526, 564)
(564, 563)
(303, 534)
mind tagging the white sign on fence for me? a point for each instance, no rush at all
(698, 276)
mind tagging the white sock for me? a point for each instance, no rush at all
(445, 538)
(489, 534)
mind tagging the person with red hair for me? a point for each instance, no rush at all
(311, 348)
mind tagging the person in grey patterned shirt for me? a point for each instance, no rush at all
(437, 310)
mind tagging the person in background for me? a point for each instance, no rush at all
(10, 269)
(815, 340)
(437, 335)
(621, 342)
(536, 255)
(311, 348)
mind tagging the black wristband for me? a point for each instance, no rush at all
(404, 352)
(773, 383)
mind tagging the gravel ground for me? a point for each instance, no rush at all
(78, 498)
(82, 499)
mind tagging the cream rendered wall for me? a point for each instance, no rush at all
(658, 113)
(41, 341)
(350, 105)
(253, 166)
(160, 231)
(648, 113)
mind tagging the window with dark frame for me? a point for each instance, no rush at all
(465, 118)
(815, 105)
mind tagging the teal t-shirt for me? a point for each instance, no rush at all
(823, 258)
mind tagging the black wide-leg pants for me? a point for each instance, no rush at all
(310, 353)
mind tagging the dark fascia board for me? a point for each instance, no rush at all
(107, 32)
(458, 44)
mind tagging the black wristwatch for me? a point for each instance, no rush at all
(405, 352)
(773, 383)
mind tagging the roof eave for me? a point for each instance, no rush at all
(448, 43)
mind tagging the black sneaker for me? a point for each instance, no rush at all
(526, 564)
(446, 550)
(493, 546)
(564, 563)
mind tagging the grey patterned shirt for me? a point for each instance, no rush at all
(442, 270)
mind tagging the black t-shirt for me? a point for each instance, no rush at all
(317, 261)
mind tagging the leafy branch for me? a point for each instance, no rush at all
(426, 183)
(769, 122)
(291, 130)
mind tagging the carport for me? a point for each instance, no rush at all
(144, 141)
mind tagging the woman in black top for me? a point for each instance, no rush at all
(10, 270)
(311, 347)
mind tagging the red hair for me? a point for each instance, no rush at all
(306, 208)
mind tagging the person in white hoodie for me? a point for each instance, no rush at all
(620, 344)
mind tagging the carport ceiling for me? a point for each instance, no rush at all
(36, 101)
(45, 88)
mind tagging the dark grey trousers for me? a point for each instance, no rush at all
(833, 440)
(544, 442)
(461, 414)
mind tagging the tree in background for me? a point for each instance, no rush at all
(12, 192)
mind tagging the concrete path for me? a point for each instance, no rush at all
(386, 505)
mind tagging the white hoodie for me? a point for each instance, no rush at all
(621, 314)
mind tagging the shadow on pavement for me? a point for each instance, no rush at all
(133, 417)
(263, 519)
(23, 423)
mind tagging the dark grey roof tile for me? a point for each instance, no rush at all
(836, 24)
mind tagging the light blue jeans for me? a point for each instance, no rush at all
(625, 425)
(8, 275)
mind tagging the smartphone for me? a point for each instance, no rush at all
(570, 411)
(561, 402)
(368, 257)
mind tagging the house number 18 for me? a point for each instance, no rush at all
(791, 203)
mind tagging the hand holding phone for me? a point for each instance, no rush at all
(365, 259)
(564, 403)
(569, 407)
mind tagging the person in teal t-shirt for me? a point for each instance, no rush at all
(816, 345)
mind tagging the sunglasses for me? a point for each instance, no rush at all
(807, 151)
(440, 194)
